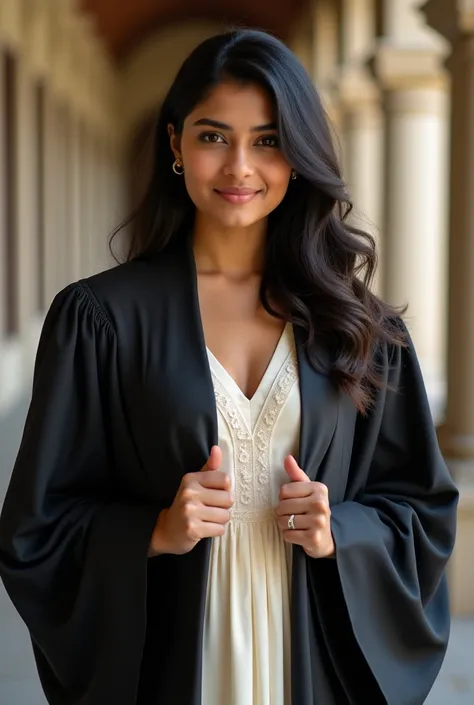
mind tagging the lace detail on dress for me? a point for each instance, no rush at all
(278, 395)
(253, 496)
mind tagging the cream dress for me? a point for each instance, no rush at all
(247, 628)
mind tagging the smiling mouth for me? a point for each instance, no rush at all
(237, 196)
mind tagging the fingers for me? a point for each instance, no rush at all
(198, 530)
(215, 498)
(303, 522)
(205, 522)
(214, 480)
(297, 537)
(214, 515)
(212, 530)
(295, 490)
(287, 507)
(295, 473)
(304, 489)
(302, 505)
(211, 488)
(214, 461)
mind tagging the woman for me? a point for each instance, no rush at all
(229, 488)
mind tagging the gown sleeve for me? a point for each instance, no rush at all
(73, 554)
(394, 537)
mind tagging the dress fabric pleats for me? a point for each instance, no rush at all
(247, 627)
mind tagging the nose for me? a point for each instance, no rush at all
(238, 163)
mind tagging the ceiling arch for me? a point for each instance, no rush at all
(124, 25)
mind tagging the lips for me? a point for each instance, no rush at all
(237, 195)
(237, 191)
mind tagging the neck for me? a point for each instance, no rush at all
(233, 251)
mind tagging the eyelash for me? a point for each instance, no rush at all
(204, 137)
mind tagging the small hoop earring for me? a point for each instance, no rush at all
(294, 175)
(178, 167)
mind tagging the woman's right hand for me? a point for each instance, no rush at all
(200, 510)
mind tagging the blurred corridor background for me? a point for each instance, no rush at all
(80, 84)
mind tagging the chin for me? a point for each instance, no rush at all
(232, 223)
(238, 220)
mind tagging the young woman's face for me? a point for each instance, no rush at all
(234, 170)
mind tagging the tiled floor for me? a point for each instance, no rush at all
(455, 684)
(18, 679)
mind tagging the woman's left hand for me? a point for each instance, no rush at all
(309, 503)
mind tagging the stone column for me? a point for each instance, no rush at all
(93, 185)
(51, 228)
(62, 175)
(3, 225)
(455, 19)
(69, 167)
(301, 41)
(119, 196)
(85, 201)
(26, 198)
(408, 64)
(101, 204)
(75, 196)
(111, 218)
(325, 28)
(362, 122)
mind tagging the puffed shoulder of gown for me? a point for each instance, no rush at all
(122, 406)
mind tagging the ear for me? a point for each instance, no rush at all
(175, 141)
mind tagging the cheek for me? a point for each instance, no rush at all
(277, 181)
(200, 173)
(201, 167)
(276, 171)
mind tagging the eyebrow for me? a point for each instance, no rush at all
(222, 125)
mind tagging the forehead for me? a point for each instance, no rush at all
(238, 105)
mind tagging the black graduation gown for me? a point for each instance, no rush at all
(122, 408)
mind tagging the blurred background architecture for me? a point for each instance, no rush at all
(80, 84)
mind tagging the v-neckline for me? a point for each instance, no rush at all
(263, 380)
(184, 345)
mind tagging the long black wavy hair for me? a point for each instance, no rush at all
(318, 267)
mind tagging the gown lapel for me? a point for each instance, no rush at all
(319, 398)
(185, 375)
(181, 397)
(167, 381)
(319, 412)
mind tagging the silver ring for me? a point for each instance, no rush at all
(291, 522)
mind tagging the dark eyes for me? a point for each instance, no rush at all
(216, 138)
(211, 137)
(269, 141)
